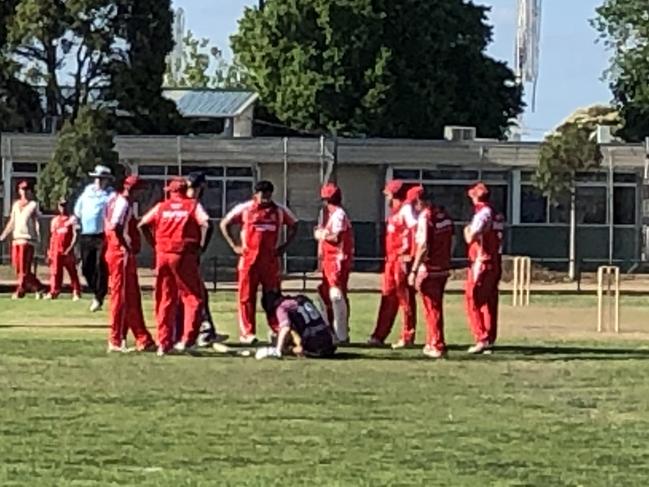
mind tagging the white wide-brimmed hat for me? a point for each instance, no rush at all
(101, 172)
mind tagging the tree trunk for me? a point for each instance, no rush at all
(572, 258)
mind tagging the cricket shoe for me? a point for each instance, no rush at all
(95, 306)
(248, 340)
(112, 348)
(161, 352)
(401, 344)
(76, 297)
(16, 296)
(182, 347)
(49, 297)
(478, 348)
(432, 352)
(375, 342)
(38, 295)
(151, 347)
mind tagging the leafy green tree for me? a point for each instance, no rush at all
(55, 38)
(570, 149)
(20, 107)
(202, 66)
(80, 146)
(136, 78)
(624, 27)
(376, 67)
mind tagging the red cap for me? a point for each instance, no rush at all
(331, 192)
(24, 184)
(177, 185)
(478, 191)
(415, 193)
(132, 181)
(395, 187)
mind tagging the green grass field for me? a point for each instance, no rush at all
(556, 405)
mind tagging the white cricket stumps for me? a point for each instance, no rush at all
(608, 303)
(522, 281)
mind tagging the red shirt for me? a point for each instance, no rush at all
(119, 212)
(338, 223)
(61, 233)
(177, 223)
(487, 242)
(260, 227)
(400, 226)
(435, 231)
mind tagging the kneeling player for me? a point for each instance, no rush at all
(303, 331)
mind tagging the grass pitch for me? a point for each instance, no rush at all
(556, 405)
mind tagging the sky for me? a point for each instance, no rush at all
(571, 63)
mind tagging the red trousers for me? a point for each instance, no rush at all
(22, 257)
(334, 274)
(125, 301)
(59, 263)
(396, 294)
(432, 288)
(178, 278)
(264, 272)
(481, 302)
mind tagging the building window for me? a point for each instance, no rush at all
(624, 205)
(447, 187)
(534, 206)
(591, 201)
(226, 186)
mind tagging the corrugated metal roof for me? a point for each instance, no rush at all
(210, 103)
(191, 102)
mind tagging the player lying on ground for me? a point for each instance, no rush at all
(303, 331)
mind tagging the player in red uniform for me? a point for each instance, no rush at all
(261, 220)
(430, 269)
(400, 225)
(123, 243)
(335, 237)
(180, 227)
(63, 238)
(481, 292)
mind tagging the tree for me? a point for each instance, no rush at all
(20, 107)
(376, 67)
(136, 77)
(202, 66)
(570, 149)
(80, 146)
(52, 39)
(624, 27)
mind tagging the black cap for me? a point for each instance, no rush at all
(196, 178)
(264, 187)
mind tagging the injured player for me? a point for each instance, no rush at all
(303, 331)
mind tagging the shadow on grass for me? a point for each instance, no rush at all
(513, 352)
(58, 327)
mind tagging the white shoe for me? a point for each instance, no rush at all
(95, 306)
(478, 348)
(76, 297)
(267, 352)
(375, 342)
(432, 352)
(15, 296)
(161, 352)
(115, 349)
(248, 340)
(38, 295)
(400, 344)
(48, 297)
(180, 347)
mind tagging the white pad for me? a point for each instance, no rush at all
(339, 305)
